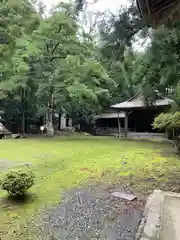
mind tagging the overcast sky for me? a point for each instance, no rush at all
(101, 5)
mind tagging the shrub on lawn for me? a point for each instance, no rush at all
(16, 183)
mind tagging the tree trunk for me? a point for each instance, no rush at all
(49, 122)
(50, 114)
(23, 111)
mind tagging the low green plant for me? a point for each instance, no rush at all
(17, 182)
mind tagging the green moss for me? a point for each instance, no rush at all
(61, 163)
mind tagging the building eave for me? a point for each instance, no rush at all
(138, 102)
(158, 12)
(110, 115)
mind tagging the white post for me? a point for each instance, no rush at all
(63, 121)
(49, 123)
(70, 122)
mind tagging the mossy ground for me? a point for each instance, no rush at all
(62, 163)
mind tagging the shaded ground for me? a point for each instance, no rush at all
(92, 213)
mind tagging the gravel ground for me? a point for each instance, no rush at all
(91, 214)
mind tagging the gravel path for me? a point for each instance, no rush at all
(91, 214)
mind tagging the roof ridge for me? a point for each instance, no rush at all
(136, 95)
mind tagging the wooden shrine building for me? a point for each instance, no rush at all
(139, 115)
(109, 122)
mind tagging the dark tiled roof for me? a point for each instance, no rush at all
(138, 101)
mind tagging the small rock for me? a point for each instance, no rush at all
(28, 164)
(124, 196)
(124, 163)
(149, 179)
(161, 175)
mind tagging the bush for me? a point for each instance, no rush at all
(16, 183)
(171, 123)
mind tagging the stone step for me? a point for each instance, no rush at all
(161, 217)
(149, 228)
(170, 228)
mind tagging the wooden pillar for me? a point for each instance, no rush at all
(119, 126)
(126, 124)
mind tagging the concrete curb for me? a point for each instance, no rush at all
(150, 225)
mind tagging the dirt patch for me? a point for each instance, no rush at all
(93, 213)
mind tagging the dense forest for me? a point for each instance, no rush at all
(60, 62)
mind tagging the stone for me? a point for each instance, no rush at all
(63, 122)
(16, 136)
(125, 196)
(171, 217)
(124, 163)
(148, 229)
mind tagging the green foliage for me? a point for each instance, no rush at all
(67, 72)
(51, 65)
(79, 4)
(17, 182)
(167, 121)
(55, 67)
(16, 18)
(159, 65)
(163, 121)
(118, 32)
(171, 123)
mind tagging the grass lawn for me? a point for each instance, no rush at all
(61, 163)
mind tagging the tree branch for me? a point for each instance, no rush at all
(55, 47)
(57, 44)
(47, 47)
